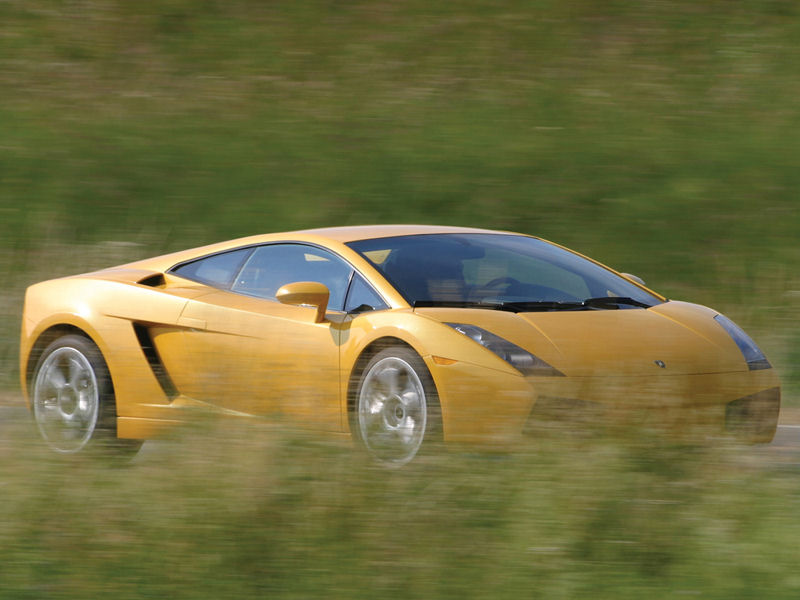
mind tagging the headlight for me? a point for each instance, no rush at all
(752, 354)
(517, 357)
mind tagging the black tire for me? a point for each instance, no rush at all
(73, 401)
(394, 408)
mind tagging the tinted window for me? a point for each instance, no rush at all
(217, 270)
(503, 265)
(360, 293)
(275, 265)
(491, 268)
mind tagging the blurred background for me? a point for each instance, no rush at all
(659, 137)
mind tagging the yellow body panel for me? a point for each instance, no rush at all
(243, 355)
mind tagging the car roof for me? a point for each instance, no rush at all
(327, 236)
(367, 232)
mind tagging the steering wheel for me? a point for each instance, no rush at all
(500, 281)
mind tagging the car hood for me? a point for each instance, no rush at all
(673, 338)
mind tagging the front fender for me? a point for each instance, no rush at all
(482, 397)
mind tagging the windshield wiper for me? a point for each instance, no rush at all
(601, 302)
(516, 307)
(598, 303)
(542, 305)
(606, 301)
(463, 304)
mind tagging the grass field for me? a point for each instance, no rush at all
(241, 511)
(656, 136)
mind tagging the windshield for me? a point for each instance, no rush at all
(496, 270)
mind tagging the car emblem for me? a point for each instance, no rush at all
(661, 363)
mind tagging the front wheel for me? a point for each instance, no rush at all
(396, 408)
(73, 399)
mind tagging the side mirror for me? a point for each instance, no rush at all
(638, 280)
(306, 293)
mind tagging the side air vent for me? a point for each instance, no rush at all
(156, 280)
(154, 360)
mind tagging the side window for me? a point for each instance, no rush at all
(217, 270)
(275, 265)
(360, 293)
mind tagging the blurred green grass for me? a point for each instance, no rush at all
(242, 511)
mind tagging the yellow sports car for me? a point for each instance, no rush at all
(395, 335)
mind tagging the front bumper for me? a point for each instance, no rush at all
(483, 405)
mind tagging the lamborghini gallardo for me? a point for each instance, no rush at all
(395, 335)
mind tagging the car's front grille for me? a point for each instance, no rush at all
(750, 418)
(754, 415)
(550, 411)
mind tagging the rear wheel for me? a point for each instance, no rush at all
(73, 399)
(396, 410)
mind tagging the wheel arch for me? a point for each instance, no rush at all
(363, 359)
(396, 348)
(43, 340)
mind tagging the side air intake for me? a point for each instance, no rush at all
(154, 360)
(156, 280)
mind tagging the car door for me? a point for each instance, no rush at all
(254, 355)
